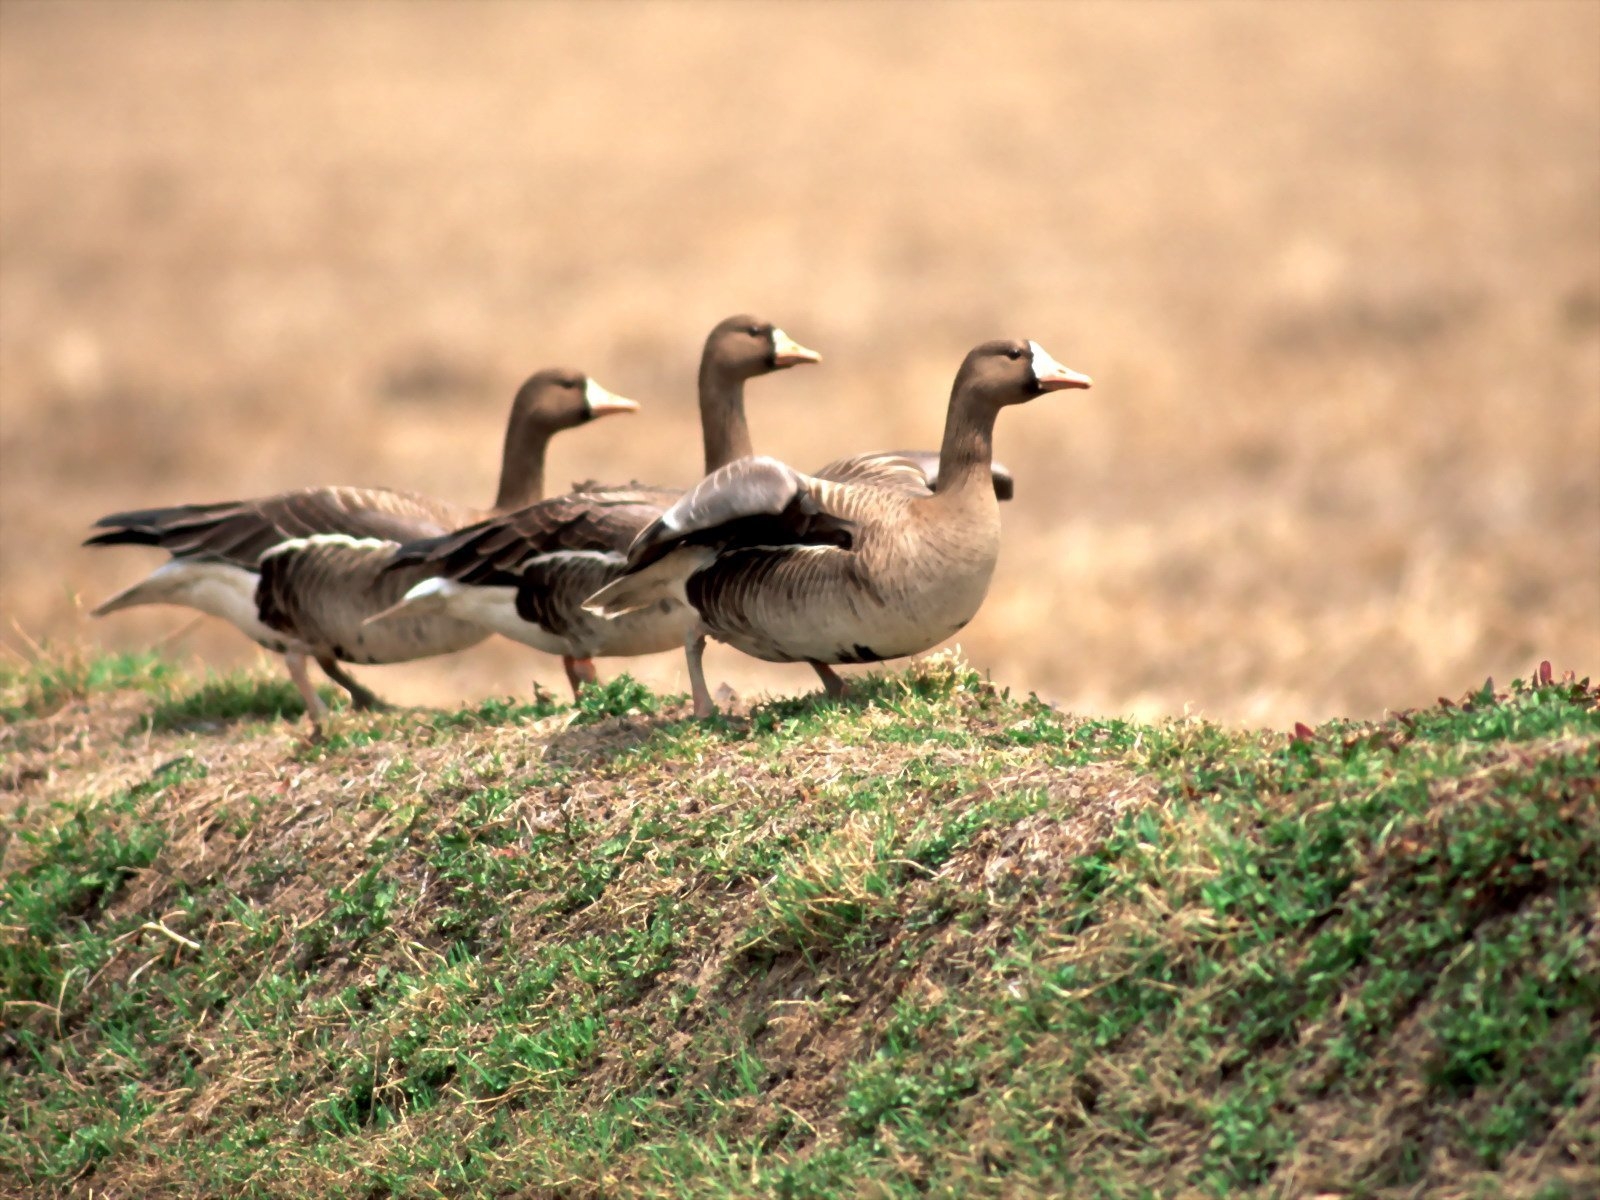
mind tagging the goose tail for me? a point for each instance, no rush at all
(428, 598)
(216, 588)
(146, 591)
(663, 580)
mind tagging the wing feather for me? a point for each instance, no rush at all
(751, 501)
(915, 472)
(552, 587)
(501, 549)
(239, 532)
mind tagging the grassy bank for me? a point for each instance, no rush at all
(938, 940)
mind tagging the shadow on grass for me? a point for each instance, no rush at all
(227, 700)
(909, 693)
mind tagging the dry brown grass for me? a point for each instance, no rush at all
(1335, 269)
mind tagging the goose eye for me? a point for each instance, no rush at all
(754, 331)
(1014, 353)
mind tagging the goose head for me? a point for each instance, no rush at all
(743, 347)
(1006, 372)
(546, 404)
(557, 399)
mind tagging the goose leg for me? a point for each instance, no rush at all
(316, 710)
(360, 697)
(579, 672)
(694, 648)
(831, 679)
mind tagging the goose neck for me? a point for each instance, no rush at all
(522, 467)
(966, 455)
(723, 428)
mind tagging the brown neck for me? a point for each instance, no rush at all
(722, 425)
(522, 465)
(968, 449)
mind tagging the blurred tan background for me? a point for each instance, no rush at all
(1335, 269)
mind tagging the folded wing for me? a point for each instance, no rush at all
(503, 550)
(756, 501)
(239, 532)
(915, 472)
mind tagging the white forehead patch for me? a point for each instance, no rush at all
(594, 394)
(1043, 364)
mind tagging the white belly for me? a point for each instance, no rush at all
(217, 589)
(663, 626)
(649, 631)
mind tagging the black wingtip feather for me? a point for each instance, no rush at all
(1004, 486)
(123, 537)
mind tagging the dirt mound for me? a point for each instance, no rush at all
(936, 939)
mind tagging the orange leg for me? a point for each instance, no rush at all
(579, 672)
(694, 648)
(316, 710)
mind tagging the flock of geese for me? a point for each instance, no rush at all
(871, 557)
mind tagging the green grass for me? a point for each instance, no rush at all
(225, 699)
(44, 685)
(498, 711)
(933, 941)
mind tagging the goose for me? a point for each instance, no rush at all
(291, 570)
(789, 567)
(525, 574)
